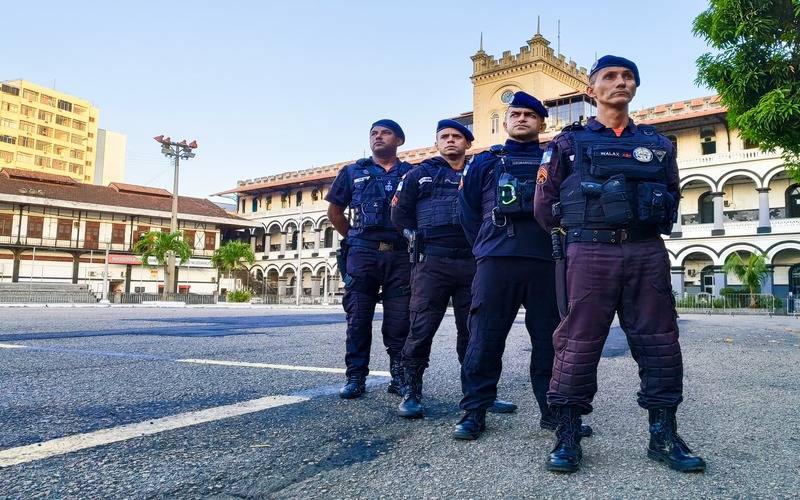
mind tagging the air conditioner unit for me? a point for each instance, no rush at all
(92, 274)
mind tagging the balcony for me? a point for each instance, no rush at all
(741, 228)
(86, 245)
(745, 155)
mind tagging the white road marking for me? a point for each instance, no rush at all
(69, 444)
(12, 346)
(275, 367)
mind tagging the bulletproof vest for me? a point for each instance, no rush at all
(515, 184)
(373, 188)
(617, 182)
(437, 204)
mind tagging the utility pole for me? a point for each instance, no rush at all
(178, 151)
(299, 281)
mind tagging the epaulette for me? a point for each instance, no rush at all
(496, 150)
(573, 127)
(364, 162)
(647, 129)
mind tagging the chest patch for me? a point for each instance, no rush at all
(423, 180)
(360, 179)
(643, 155)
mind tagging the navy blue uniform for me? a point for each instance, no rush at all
(377, 260)
(427, 202)
(514, 267)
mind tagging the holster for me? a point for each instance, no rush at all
(341, 262)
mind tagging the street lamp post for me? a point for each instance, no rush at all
(178, 151)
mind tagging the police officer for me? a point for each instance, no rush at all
(612, 186)
(426, 208)
(373, 260)
(514, 265)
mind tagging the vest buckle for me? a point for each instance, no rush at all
(496, 217)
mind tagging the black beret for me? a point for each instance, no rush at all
(616, 61)
(391, 125)
(443, 124)
(524, 100)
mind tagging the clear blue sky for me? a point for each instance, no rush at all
(267, 87)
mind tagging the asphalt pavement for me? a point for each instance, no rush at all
(242, 403)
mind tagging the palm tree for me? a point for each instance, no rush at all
(159, 245)
(751, 272)
(232, 256)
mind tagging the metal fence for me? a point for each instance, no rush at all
(738, 303)
(143, 298)
(39, 297)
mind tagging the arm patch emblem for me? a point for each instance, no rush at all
(541, 175)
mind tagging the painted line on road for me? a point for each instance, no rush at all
(219, 362)
(69, 444)
(275, 367)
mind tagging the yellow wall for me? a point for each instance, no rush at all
(46, 137)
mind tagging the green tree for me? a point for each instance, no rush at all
(232, 256)
(159, 245)
(751, 272)
(756, 70)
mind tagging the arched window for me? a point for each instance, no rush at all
(793, 201)
(254, 204)
(328, 237)
(705, 207)
(315, 194)
(707, 280)
(284, 200)
(298, 198)
(294, 239)
(495, 123)
(674, 140)
(268, 202)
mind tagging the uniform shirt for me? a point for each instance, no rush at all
(487, 239)
(404, 204)
(558, 161)
(341, 194)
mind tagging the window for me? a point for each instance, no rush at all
(78, 110)
(76, 139)
(78, 125)
(284, 200)
(61, 135)
(139, 232)
(35, 227)
(48, 100)
(748, 144)
(64, 230)
(63, 120)
(708, 140)
(298, 198)
(46, 131)
(6, 223)
(188, 237)
(76, 154)
(8, 89)
(76, 169)
(91, 236)
(495, 123)
(6, 156)
(28, 111)
(10, 107)
(254, 204)
(315, 194)
(43, 146)
(674, 140)
(793, 201)
(26, 142)
(705, 206)
(65, 105)
(41, 161)
(118, 234)
(268, 202)
(30, 95)
(27, 127)
(45, 116)
(59, 165)
(24, 158)
(328, 237)
(8, 139)
(210, 240)
(8, 123)
(242, 205)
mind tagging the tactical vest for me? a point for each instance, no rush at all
(515, 184)
(373, 188)
(437, 204)
(617, 182)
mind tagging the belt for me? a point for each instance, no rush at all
(453, 253)
(381, 246)
(611, 236)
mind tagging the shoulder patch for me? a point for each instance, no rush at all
(541, 175)
(546, 156)
(400, 185)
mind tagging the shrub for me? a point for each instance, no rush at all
(239, 296)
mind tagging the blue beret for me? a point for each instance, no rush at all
(609, 61)
(443, 124)
(524, 100)
(391, 125)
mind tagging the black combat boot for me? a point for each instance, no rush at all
(471, 425)
(667, 446)
(500, 406)
(396, 370)
(411, 406)
(566, 455)
(354, 388)
(548, 422)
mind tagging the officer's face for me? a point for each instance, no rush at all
(613, 86)
(451, 143)
(383, 141)
(523, 124)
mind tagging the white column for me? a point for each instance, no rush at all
(720, 280)
(677, 228)
(764, 225)
(719, 216)
(769, 280)
(283, 242)
(317, 232)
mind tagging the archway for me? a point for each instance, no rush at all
(698, 266)
(696, 205)
(740, 197)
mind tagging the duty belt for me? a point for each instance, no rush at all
(381, 246)
(611, 236)
(453, 253)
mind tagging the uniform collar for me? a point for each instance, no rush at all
(513, 146)
(397, 164)
(438, 161)
(596, 126)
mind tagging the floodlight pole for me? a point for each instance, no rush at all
(175, 150)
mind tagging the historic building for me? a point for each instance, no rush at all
(57, 230)
(735, 197)
(44, 130)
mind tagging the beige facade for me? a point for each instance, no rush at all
(110, 158)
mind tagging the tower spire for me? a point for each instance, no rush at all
(481, 47)
(538, 25)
